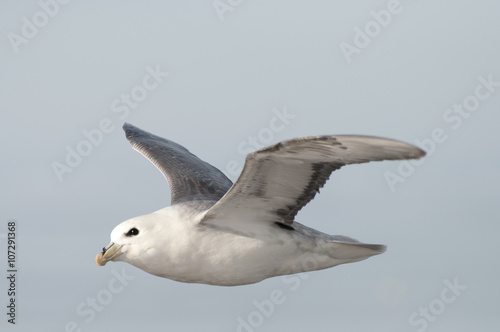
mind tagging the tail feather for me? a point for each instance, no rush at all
(354, 251)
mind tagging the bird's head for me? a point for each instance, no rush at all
(128, 243)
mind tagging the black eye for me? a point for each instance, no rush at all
(132, 232)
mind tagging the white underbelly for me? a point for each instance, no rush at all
(225, 259)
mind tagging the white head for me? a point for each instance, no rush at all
(132, 241)
(151, 242)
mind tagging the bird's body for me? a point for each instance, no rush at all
(220, 233)
(203, 254)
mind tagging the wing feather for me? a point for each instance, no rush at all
(189, 177)
(278, 181)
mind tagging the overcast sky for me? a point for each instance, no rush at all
(221, 78)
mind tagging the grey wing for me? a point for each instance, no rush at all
(189, 177)
(277, 181)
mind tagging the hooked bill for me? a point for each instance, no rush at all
(99, 260)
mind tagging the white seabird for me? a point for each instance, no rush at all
(219, 233)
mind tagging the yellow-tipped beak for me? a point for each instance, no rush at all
(110, 252)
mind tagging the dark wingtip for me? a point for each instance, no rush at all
(132, 131)
(419, 153)
(413, 151)
(128, 127)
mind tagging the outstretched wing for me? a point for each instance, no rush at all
(277, 181)
(189, 177)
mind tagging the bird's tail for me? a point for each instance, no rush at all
(350, 250)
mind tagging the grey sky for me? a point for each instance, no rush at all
(255, 72)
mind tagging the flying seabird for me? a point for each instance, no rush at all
(219, 233)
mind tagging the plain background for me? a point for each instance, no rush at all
(228, 75)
